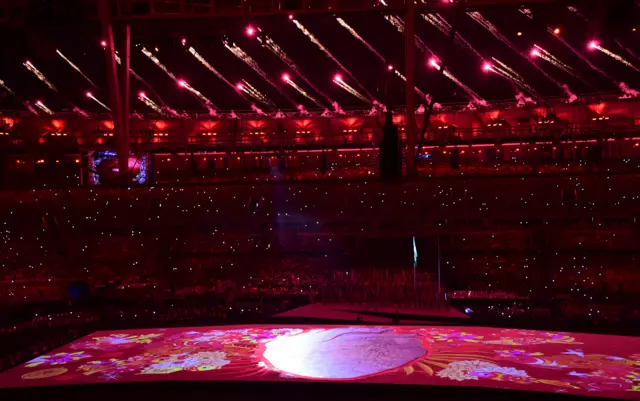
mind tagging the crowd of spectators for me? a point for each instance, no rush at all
(376, 289)
(99, 258)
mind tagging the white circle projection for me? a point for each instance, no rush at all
(342, 353)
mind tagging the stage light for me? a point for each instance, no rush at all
(593, 44)
(184, 42)
(556, 31)
(285, 77)
(239, 87)
(337, 77)
(390, 67)
(290, 17)
(433, 63)
(486, 67)
(251, 31)
(519, 33)
(141, 94)
(182, 83)
(89, 94)
(28, 62)
(535, 53)
(39, 102)
(103, 43)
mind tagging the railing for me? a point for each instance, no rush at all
(244, 164)
(501, 105)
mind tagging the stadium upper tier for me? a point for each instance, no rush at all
(614, 118)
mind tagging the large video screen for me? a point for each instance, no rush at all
(598, 365)
(103, 167)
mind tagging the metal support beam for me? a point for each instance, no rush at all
(410, 74)
(112, 71)
(458, 12)
(15, 14)
(123, 138)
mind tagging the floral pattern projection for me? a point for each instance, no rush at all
(516, 359)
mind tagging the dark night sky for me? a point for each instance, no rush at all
(39, 43)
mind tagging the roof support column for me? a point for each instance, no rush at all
(112, 76)
(410, 74)
(123, 138)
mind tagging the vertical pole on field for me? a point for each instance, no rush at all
(415, 265)
(439, 265)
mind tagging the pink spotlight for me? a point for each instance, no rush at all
(286, 77)
(103, 43)
(239, 87)
(141, 94)
(184, 41)
(39, 102)
(433, 63)
(182, 83)
(251, 31)
(390, 67)
(593, 44)
(290, 17)
(487, 67)
(89, 94)
(337, 77)
(535, 53)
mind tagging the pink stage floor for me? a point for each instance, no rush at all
(584, 364)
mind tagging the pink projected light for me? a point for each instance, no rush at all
(487, 67)
(141, 94)
(535, 53)
(250, 31)
(89, 94)
(286, 77)
(337, 78)
(390, 67)
(523, 360)
(593, 44)
(103, 43)
(239, 87)
(433, 63)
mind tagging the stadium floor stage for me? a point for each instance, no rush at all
(464, 357)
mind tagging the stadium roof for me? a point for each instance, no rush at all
(540, 50)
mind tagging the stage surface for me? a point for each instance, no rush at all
(582, 364)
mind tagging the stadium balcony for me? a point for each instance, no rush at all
(66, 151)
